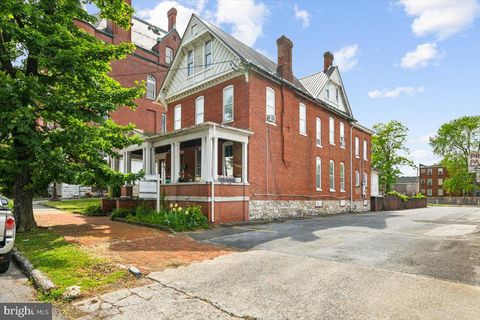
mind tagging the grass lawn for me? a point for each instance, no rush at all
(77, 205)
(66, 264)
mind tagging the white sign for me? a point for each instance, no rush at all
(474, 162)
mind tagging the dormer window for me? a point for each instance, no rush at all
(208, 54)
(190, 63)
(337, 94)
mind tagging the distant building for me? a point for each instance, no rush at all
(407, 185)
(432, 179)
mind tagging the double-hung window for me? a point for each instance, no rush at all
(164, 122)
(342, 177)
(228, 104)
(332, 175)
(365, 179)
(151, 87)
(177, 117)
(190, 63)
(318, 132)
(342, 135)
(168, 55)
(357, 147)
(199, 108)
(208, 54)
(357, 178)
(365, 150)
(318, 174)
(331, 127)
(303, 118)
(270, 105)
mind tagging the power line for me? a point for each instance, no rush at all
(233, 65)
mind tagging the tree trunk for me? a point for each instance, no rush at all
(22, 201)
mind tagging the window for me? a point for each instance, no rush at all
(342, 177)
(422, 181)
(164, 122)
(337, 94)
(429, 172)
(357, 178)
(193, 29)
(440, 192)
(228, 104)
(199, 102)
(440, 181)
(318, 132)
(342, 135)
(422, 191)
(208, 54)
(190, 63)
(365, 179)
(228, 159)
(270, 105)
(331, 127)
(440, 171)
(429, 192)
(357, 147)
(318, 175)
(177, 118)
(303, 119)
(365, 146)
(151, 87)
(429, 182)
(168, 55)
(332, 175)
(422, 170)
(327, 92)
(198, 162)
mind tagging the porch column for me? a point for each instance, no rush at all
(175, 161)
(206, 156)
(244, 162)
(215, 159)
(127, 166)
(147, 159)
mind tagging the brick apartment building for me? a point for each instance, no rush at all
(431, 180)
(247, 140)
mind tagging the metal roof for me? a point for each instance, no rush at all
(314, 83)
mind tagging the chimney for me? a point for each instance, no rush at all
(120, 34)
(284, 64)
(172, 18)
(327, 60)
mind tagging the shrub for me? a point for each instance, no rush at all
(418, 196)
(94, 210)
(122, 213)
(403, 197)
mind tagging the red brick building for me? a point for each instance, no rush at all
(155, 50)
(431, 179)
(247, 140)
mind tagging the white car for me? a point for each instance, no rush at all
(7, 235)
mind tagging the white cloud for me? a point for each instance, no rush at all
(346, 57)
(158, 15)
(245, 16)
(419, 155)
(302, 15)
(395, 93)
(421, 56)
(443, 18)
(423, 138)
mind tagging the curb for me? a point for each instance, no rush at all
(148, 225)
(40, 280)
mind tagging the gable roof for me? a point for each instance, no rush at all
(314, 83)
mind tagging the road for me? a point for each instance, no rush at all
(415, 264)
(14, 286)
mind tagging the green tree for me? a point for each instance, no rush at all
(454, 141)
(388, 150)
(55, 96)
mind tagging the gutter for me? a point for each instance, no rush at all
(212, 197)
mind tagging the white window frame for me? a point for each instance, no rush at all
(429, 192)
(151, 93)
(342, 135)
(357, 178)
(357, 147)
(164, 122)
(177, 117)
(337, 94)
(192, 63)
(199, 114)
(227, 88)
(168, 55)
(429, 171)
(365, 179)
(331, 130)
(429, 182)
(302, 122)
(198, 162)
(226, 144)
(365, 149)
(342, 177)
(270, 102)
(318, 174)
(440, 192)
(318, 132)
(440, 171)
(331, 176)
(206, 54)
(327, 92)
(440, 181)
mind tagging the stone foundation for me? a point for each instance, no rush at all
(277, 209)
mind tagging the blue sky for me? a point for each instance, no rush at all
(413, 61)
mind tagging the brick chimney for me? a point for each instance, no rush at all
(327, 60)
(120, 34)
(284, 63)
(172, 18)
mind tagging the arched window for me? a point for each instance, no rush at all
(151, 87)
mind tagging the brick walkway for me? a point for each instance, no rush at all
(147, 249)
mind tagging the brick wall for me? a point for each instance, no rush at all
(435, 183)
